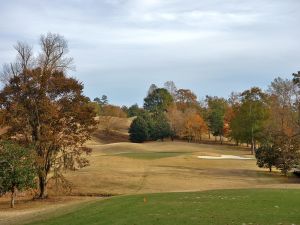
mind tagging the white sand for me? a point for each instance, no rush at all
(223, 157)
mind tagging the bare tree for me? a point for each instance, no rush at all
(53, 50)
(171, 87)
(24, 60)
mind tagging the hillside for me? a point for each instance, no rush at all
(111, 130)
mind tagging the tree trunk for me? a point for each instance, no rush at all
(13, 195)
(209, 135)
(252, 148)
(270, 169)
(43, 187)
(252, 142)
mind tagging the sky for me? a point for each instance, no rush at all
(121, 47)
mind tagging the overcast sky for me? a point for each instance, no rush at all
(121, 47)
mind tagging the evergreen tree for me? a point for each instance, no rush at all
(158, 100)
(138, 131)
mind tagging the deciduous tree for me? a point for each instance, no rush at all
(185, 99)
(16, 169)
(267, 156)
(45, 108)
(194, 126)
(171, 88)
(216, 113)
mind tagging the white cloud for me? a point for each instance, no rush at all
(200, 44)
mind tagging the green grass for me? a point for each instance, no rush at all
(255, 206)
(150, 155)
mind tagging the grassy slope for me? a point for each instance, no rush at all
(264, 206)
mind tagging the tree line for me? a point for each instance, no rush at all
(268, 121)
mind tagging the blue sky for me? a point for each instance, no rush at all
(121, 47)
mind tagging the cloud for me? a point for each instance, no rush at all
(210, 46)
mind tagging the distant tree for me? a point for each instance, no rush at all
(250, 117)
(152, 88)
(138, 131)
(159, 128)
(17, 170)
(296, 81)
(171, 88)
(232, 126)
(228, 117)
(267, 156)
(255, 113)
(296, 78)
(176, 121)
(125, 109)
(194, 126)
(97, 100)
(281, 128)
(134, 110)
(158, 101)
(96, 107)
(216, 114)
(101, 101)
(47, 109)
(104, 100)
(185, 99)
(289, 152)
(282, 101)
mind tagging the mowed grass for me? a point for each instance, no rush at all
(252, 206)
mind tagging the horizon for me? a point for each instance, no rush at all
(121, 47)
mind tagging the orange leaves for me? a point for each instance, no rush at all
(188, 124)
(185, 99)
(194, 126)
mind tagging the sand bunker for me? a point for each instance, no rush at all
(223, 157)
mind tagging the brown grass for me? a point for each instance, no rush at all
(128, 168)
(116, 173)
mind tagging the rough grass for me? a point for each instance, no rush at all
(265, 207)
